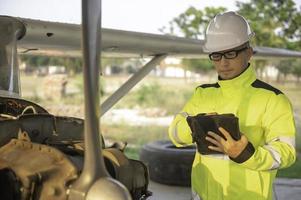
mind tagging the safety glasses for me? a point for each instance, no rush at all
(216, 56)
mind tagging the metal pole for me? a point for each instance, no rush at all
(94, 167)
(94, 182)
(129, 84)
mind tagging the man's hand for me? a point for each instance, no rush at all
(229, 146)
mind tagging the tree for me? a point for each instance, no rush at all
(192, 24)
(296, 70)
(198, 65)
(284, 67)
(293, 30)
(72, 64)
(276, 23)
(270, 20)
(259, 66)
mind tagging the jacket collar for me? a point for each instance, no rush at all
(245, 79)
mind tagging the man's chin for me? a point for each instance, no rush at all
(226, 76)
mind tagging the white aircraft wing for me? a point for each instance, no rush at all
(62, 39)
(65, 39)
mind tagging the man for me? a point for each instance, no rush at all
(246, 168)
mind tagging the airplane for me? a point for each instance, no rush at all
(43, 156)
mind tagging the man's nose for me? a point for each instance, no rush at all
(224, 60)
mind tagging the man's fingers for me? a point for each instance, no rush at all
(215, 148)
(225, 133)
(244, 138)
(215, 136)
(213, 141)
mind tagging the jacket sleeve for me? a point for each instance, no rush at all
(179, 131)
(279, 148)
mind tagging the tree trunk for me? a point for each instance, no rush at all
(185, 73)
(278, 77)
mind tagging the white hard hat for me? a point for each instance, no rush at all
(226, 31)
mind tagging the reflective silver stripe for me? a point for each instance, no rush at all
(218, 156)
(175, 131)
(176, 136)
(288, 140)
(276, 157)
(275, 154)
(183, 114)
(195, 195)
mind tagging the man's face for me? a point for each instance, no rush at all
(229, 66)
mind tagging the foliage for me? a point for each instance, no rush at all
(284, 67)
(192, 22)
(115, 64)
(276, 23)
(78, 82)
(150, 95)
(147, 93)
(270, 20)
(296, 70)
(73, 65)
(198, 65)
(259, 66)
(293, 30)
(116, 69)
(137, 136)
(112, 61)
(155, 93)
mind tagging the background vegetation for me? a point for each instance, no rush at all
(277, 23)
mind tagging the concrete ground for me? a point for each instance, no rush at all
(284, 189)
(287, 189)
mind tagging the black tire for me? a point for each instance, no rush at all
(168, 164)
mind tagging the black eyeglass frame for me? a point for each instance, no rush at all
(225, 54)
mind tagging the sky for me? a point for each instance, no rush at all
(135, 15)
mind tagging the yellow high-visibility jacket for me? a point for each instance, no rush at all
(265, 117)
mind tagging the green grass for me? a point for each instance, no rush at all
(135, 136)
(132, 152)
(168, 94)
(154, 92)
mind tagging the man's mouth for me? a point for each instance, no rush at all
(225, 71)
